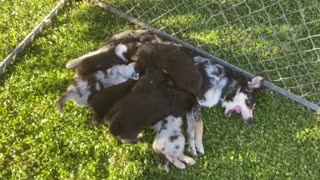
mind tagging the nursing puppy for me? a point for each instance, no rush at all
(102, 101)
(151, 100)
(169, 142)
(112, 53)
(173, 60)
(102, 59)
(83, 87)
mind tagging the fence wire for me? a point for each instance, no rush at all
(279, 40)
(20, 23)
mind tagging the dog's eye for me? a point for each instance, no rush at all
(249, 103)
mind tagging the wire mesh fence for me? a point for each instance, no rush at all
(17, 19)
(279, 40)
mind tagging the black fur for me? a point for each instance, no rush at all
(101, 102)
(172, 59)
(151, 100)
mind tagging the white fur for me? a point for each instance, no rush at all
(238, 100)
(120, 50)
(172, 150)
(80, 91)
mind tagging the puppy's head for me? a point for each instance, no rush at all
(126, 132)
(152, 79)
(242, 99)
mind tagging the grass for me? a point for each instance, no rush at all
(36, 143)
(277, 39)
(17, 19)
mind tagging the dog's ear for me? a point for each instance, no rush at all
(255, 82)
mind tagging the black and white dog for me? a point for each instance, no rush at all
(236, 93)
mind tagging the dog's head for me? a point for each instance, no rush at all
(241, 98)
(153, 78)
(126, 132)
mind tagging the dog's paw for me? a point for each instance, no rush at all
(167, 166)
(180, 165)
(189, 160)
(193, 150)
(200, 148)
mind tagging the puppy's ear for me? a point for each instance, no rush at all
(255, 82)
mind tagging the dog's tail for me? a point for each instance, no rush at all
(70, 94)
(74, 63)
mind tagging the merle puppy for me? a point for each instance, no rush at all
(172, 59)
(151, 100)
(102, 101)
(83, 87)
(169, 142)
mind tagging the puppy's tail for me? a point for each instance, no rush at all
(68, 95)
(74, 63)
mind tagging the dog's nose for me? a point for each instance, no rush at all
(249, 121)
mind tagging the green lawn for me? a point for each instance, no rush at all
(37, 143)
(17, 19)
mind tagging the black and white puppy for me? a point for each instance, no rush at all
(112, 53)
(169, 142)
(151, 100)
(83, 87)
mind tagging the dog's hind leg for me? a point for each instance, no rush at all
(176, 162)
(186, 159)
(191, 133)
(199, 134)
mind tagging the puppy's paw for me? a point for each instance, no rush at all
(189, 160)
(180, 165)
(95, 123)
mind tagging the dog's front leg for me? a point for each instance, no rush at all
(191, 122)
(199, 134)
